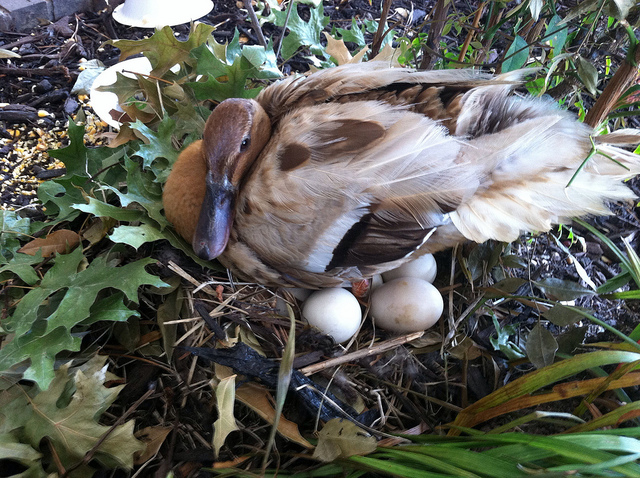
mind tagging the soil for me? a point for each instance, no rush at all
(38, 86)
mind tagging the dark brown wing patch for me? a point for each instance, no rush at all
(293, 155)
(349, 136)
(374, 240)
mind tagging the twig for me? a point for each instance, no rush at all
(182, 273)
(379, 36)
(358, 354)
(54, 70)
(472, 31)
(439, 18)
(284, 27)
(255, 22)
(23, 40)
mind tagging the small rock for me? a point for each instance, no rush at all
(71, 106)
(43, 86)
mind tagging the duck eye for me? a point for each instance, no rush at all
(245, 144)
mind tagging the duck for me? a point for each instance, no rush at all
(327, 179)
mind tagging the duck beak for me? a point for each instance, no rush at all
(216, 218)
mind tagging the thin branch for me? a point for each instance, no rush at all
(366, 352)
(380, 33)
(255, 23)
(284, 27)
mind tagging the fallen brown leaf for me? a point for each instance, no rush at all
(60, 242)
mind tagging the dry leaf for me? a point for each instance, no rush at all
(226, 422)
(339, 51)
(256, 397)
(388, 54)
(153, 437)
(231, 463)
(340, 439)
(60, 241)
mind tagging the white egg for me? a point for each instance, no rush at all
(424, 267)
(406, 305)
(335, 312)
(299, 293)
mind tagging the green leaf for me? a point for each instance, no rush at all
(556, 34)
(102, 209)
(224, 78)
(41, 350)
(83, 165)
(502, 343)
(80, 160)
(354, 34)
(558, 289)
(135, 236)
(562, 315)
(516, 56)
(505, 287)
(157, 145)
(301, 33)
(163, 49)
(79, 290)
(142, 189)
(21, 265)
(111, 308)
(588, 75)
(59, 196)
(12, 228)
(26, 455)
(541, 346)
(263, 60)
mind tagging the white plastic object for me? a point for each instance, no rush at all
(159, 13)
(103, 102)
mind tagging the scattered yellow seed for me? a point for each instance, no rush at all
(83, 97)
(42, 114)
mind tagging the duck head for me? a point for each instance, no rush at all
(234, 135)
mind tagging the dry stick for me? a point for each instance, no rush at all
(54, 70)
(377, 38)
(23, 40)
(358, 354)
(623, 78)
(284, 27)
(472, 31)
(255, 22)
(185, 275)
(440, 11)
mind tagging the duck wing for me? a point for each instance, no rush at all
(369, 166)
